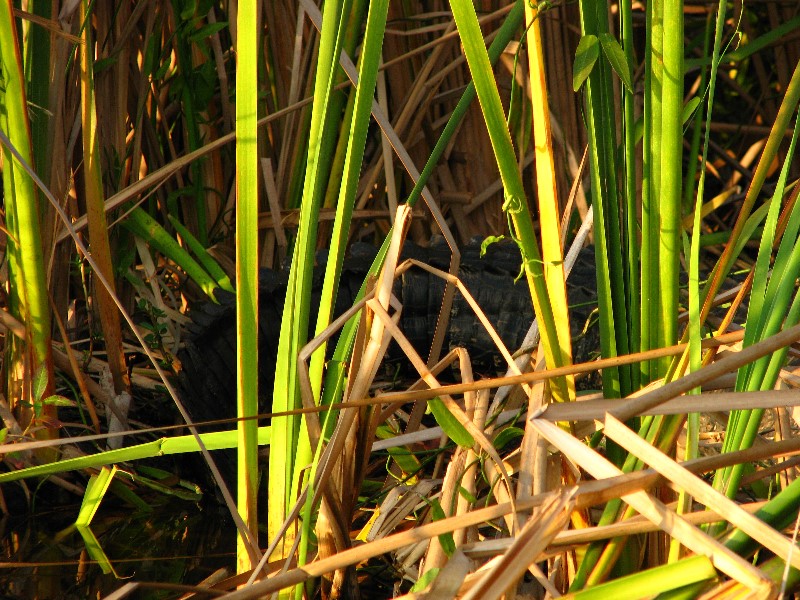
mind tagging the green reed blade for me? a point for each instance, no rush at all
(336, 146)
(504, 35)
(217, 440)
(632, 253)
(768, 313)
(768, 155)
(651, 176)
(610, 235)
(652, 581)
(356, 141)
(247, 90)
(516, 204)
(694, 147)
(27, 274)
(96, 213)
(284, 472)
(669, 189)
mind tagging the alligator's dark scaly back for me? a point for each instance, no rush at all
(208, 378)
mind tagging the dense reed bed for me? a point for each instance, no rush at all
(156, 154)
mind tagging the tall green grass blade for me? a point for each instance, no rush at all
(27, 273)
(284, 471)
(769, 311)
(768, 155)
(767, 297)
(505, 34)
(356, 142)
(609, 235)
(651, 140)
(96, 214)
(691, 166)
(772, 288)
(669, 190)
(335, 149)
(695, 363)
(695, 299)
(247, 90)
(516, 204)
(632, 252)
(652, 581)
(217, 440)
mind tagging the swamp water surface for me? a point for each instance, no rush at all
(177, 542)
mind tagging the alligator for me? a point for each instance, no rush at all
(208, 376)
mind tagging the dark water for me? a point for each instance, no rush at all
(176, 541)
